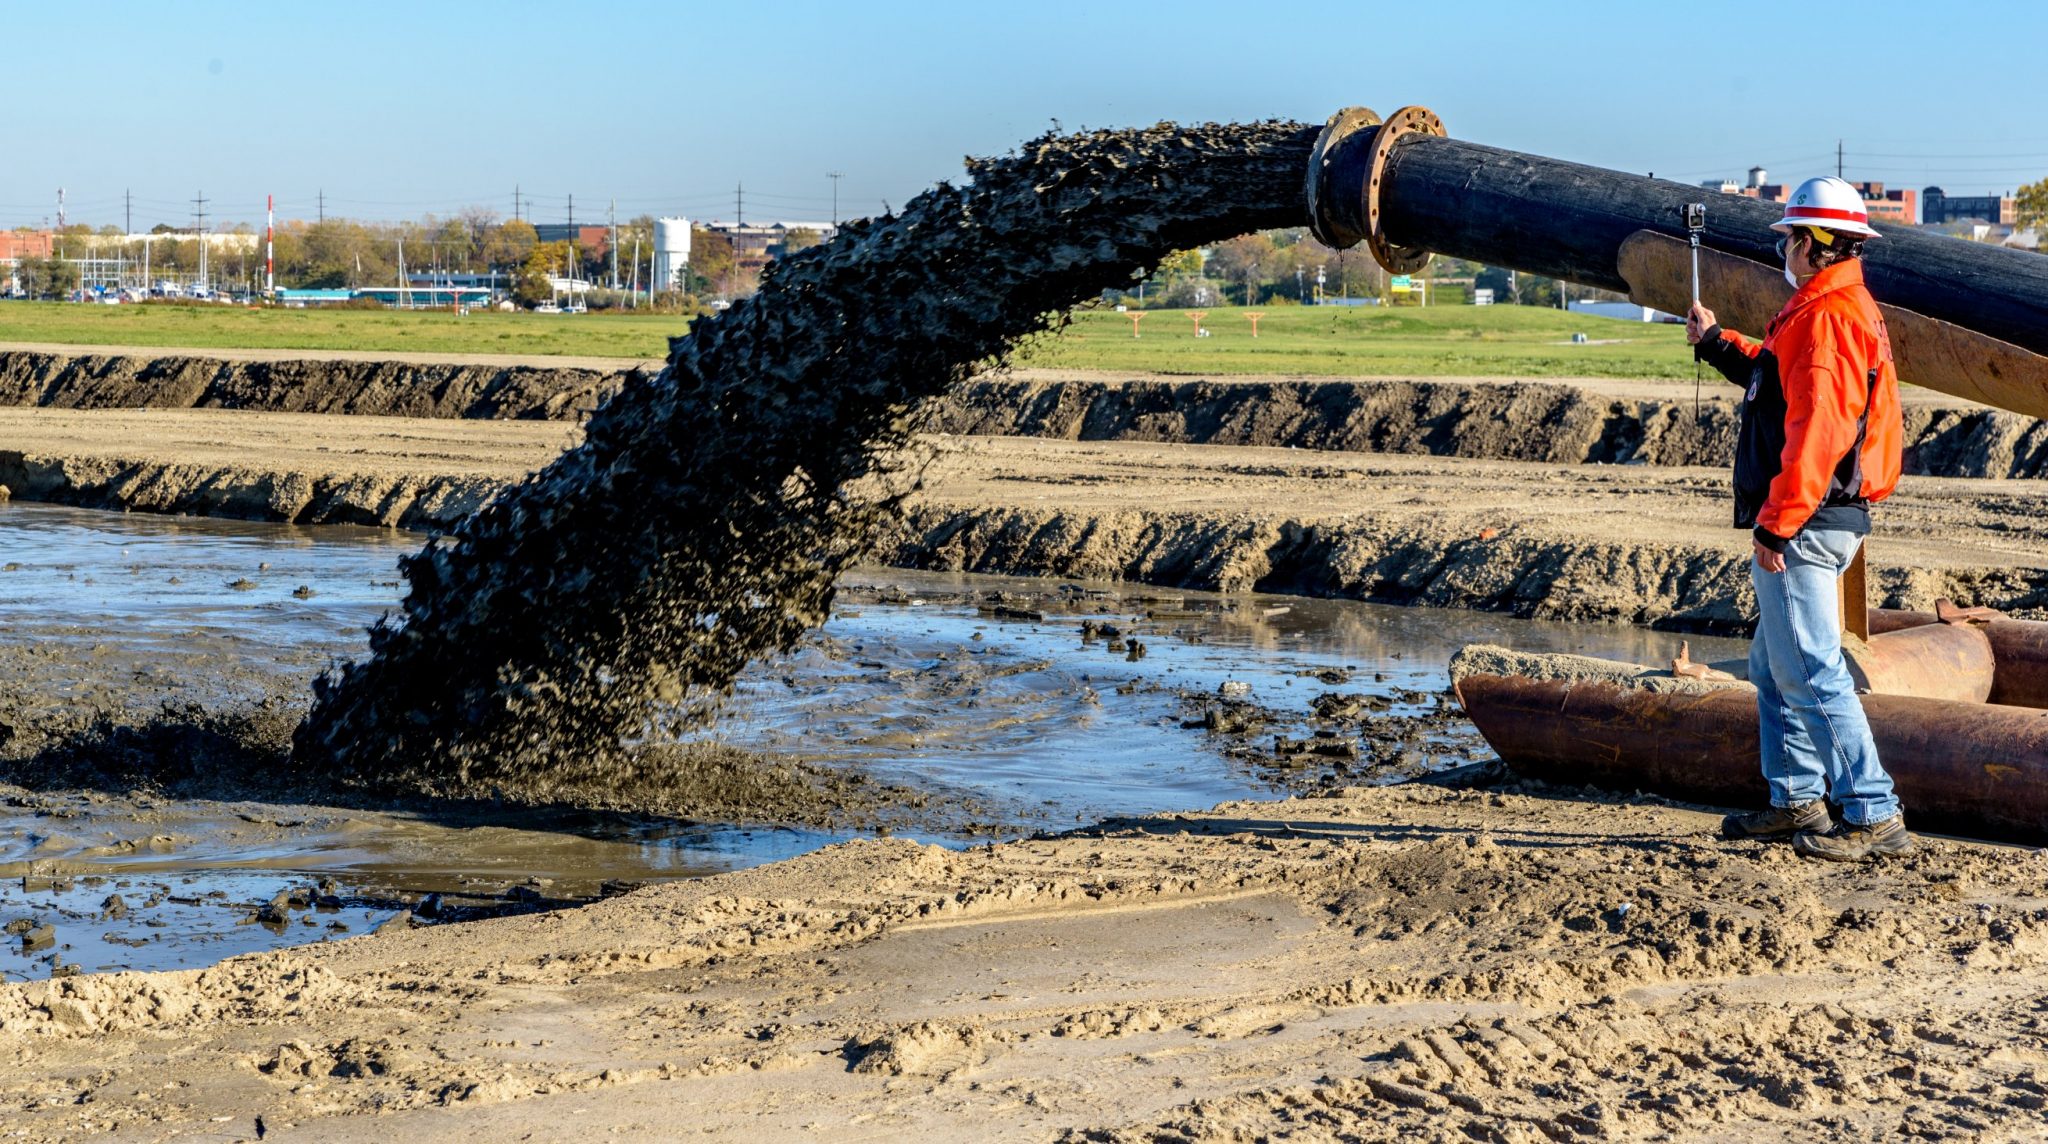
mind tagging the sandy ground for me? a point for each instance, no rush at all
(1399, 963)
(386, 447)
(1932, 522)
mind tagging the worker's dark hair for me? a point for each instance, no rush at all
(1824, 255)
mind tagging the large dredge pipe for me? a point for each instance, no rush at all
(1569, 221)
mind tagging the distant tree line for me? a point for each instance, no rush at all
(340, 253)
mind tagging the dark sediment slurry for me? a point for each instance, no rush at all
(710, 509)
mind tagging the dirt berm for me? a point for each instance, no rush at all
(1576, 421)
(1579, 421)
(1633, 543)
(310, 381)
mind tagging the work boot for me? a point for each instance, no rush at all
(1779, 821)
(1846, 843)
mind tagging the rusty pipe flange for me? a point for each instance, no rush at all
(1406, 121)
(1333, 226)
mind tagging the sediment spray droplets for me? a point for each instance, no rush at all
(710, 509)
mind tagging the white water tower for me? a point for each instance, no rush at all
(671, 252)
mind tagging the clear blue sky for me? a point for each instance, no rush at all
(398, 109)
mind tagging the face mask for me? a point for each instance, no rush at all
(1790, 277)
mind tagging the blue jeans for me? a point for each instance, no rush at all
(1811, 727)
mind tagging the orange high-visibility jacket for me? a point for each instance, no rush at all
(1821, 435)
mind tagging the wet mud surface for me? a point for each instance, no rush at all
(1519, 963)
(154, 668)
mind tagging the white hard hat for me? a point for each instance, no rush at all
(1826, 202)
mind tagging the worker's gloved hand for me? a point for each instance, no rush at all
(1698, 321)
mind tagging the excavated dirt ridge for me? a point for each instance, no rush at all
(306, 381)
(1566, 421)
(710, 509)
(1573, 422)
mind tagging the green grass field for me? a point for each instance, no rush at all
(1327, 341)
(1345, 341)
(439, 331)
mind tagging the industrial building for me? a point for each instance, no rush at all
(597, 238)
(756, 243)
(1899, 206)
(1937, 207)
(16, 245)
(1755, 187)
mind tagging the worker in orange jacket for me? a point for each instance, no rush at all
(1819, 443)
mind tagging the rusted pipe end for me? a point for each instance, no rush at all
(1336, 214)
(1345, 174)
(1934, 661)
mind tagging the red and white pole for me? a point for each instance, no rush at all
(269, 249)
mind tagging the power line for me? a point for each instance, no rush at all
(199, 228)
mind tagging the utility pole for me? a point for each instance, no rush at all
(835, 176)
(515, 202)
(127, 212)
(612, 216)
(269, 248)
(199, 228)
(1838, 158)
(60, 208)
(575, 256)
(739, 204)
(320, 209)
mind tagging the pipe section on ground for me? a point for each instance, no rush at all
(1937, 661)
(1968, 768)
(2019, 651)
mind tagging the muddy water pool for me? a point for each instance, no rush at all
(1033, 703)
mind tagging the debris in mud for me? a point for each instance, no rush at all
(38, 937)
(1323, 744)
(709, 511)
(1092, 630)
(1344, 707)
